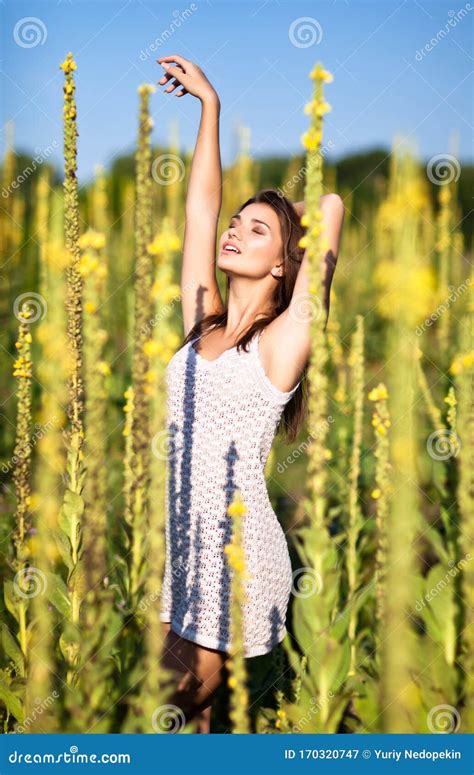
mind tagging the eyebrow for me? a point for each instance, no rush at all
(256, 220)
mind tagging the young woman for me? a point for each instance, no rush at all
(236, 378)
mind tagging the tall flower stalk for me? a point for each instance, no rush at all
(237, 680)
(355, 517)
(136, 508)
(21, 477)
(72, 511)
(380, 493)
(323, 638)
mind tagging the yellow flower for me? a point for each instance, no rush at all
(90, 307)
(318, 73)
(69, 64)
(92, 239)
(151, 347)
(378, 393)
(236, 509)
(376, 493)
(322, 108)
(303, 242)
(327, 454)
(103, 368)
(450, 399)
(232, 682)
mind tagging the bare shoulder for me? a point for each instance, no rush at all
(332, 201)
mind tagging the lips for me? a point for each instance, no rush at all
(230, 247)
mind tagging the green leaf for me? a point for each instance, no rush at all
(10, 600)
(10, 646)
(64, 547)
(57, 594)
(77, 580)
(71, 512)
(11, 701)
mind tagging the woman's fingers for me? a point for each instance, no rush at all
(167, 77)
(181, 93)
(173, 86)
(175, 58)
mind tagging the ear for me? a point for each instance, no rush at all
(277, 271)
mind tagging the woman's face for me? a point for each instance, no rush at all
(256, 234)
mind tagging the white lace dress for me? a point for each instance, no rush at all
(222, 417)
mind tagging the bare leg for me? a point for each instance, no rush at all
(199, 672)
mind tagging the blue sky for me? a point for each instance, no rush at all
(258, 55)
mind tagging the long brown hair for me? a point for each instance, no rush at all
(291, 231)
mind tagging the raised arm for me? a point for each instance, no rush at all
(200, 294)
(286, 344)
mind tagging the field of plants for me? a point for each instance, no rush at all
(375, 496)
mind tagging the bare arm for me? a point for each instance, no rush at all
(286, 345)
(200, 294)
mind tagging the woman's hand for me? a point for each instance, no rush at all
(187, 75)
